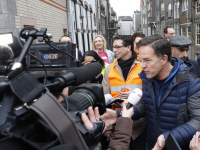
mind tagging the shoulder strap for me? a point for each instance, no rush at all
(58, 120)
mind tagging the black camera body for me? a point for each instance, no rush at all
(52, 59)
(20, 88)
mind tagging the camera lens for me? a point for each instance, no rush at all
(81, 99)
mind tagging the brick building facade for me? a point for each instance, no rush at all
(183, 15)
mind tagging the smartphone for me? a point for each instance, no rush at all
(115, 101)
(171, 143)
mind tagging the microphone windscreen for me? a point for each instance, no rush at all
(6, 54)
(86, 72)
(135, 96)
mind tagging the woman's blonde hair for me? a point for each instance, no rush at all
(103, 39)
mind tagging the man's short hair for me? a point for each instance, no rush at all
(126, 40)
(64, 36)
(160, 45)
(166, 28)
(137, 34)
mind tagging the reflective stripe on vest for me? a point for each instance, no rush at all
(119, 88)
(117, 82)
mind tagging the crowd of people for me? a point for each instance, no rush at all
(170, 84)
(170, 104)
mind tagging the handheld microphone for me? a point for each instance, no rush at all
(134, 97)
(108, 98)
(78, 75)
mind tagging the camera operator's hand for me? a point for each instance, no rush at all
(93, 117)
(127, 113)
(109, 117)
(94, 127)
(195, 142)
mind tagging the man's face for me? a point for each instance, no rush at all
(119, 50)
(65, 39)
(180, 52)
(137, 39)
(170, 33)
(151, 63)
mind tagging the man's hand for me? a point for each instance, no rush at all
(116, 105)
(195, 142)
(160, 144)
(93, 117)
(108, 134)
(124, 95)
(109, 117)
(127, 113)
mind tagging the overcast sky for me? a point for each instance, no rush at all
(125, 7)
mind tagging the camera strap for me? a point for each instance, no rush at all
(52, 113)
(58, 120)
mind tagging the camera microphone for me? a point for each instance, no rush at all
(78, 75)
(134, 97)
(6, 54)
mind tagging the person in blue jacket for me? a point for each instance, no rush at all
(171, 95)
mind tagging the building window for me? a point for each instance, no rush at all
(185, 5)
(189, 32)
(149, 7)
(198, 33)
(162, 10)
(64, 31)
(183, 32)
(178, 29)
(186, 31)
(158, 16)
(169, 10)
(176, 10)
(198, 7)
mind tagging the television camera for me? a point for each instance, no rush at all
(31, 117)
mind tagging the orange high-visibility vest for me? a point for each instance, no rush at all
(117, 82)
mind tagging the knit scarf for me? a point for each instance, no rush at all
(126, 64)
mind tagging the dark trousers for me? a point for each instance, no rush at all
(139, 143)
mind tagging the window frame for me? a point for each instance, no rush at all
(198, 7)
(197, 34)
(185, 5)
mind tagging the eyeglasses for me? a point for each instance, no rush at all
(117, 47)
